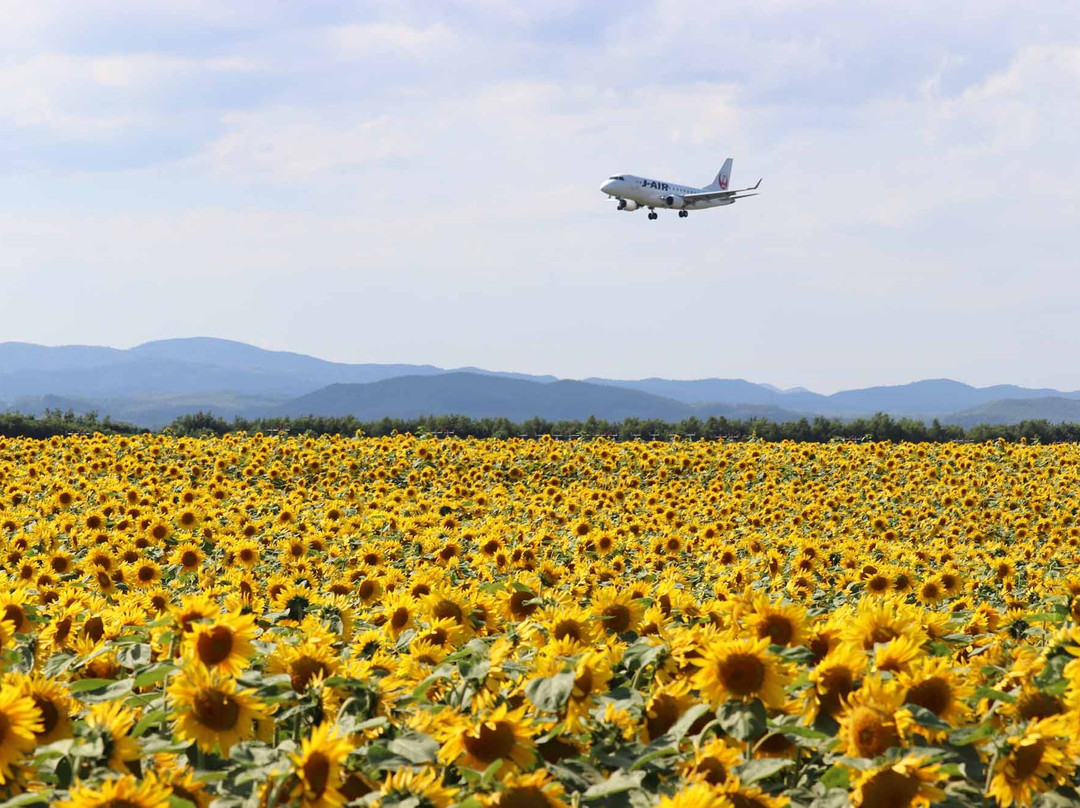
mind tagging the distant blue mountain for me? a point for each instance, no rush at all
(153, 382)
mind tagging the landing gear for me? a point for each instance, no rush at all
(683, 214)
(652, 213)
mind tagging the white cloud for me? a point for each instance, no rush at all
(293, 145)
(365, 40)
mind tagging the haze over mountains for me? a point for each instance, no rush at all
(153, 383)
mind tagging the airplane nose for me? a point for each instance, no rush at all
(606, 187)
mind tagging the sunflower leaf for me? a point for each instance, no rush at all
(34, 798)
(619, 782)
(762, 769)
(415, 747)
(154, 674)
(85, 685)
(741, 720)
(927, 718)
(58, 664)
(679, 729)
(550, 693)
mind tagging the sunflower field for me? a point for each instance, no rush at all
(253, 622)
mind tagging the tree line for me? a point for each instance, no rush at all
(880, 427)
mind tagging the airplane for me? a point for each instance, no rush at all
(641, 192)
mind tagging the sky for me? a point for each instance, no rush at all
(419, 182)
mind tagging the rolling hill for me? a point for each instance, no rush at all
(152, 383)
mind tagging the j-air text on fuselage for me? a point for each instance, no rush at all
(640, 192)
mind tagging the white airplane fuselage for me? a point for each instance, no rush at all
(649, 193)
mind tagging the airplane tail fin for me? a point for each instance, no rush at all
(723, 177)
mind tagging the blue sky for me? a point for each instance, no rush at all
(418, 182)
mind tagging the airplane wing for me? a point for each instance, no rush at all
(705, 196)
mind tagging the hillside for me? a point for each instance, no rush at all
(482, 396)
(1013, 411)
(152, 383)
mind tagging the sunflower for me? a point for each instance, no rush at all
(536, 790)
(713, 763)
(618, 611)
(211, 711)
(833, 679)
(566, 622)
(223, 645)
(181, 779)
(868, 724)
(20, 721)
(665, 706)
(1039, 759)
(122, 792)
(193, 608)
(313, 658)
(781, 624)
(424, 787)
(14, 610)
(696, 795)
(878, 620)
(748, 796)
(501, 735)
(934, 684)
(897, 654)
(52, 699)
(741, 669)
(188, 557)
(909, 783)
(113, 721)
(399, 613)
(319, 767)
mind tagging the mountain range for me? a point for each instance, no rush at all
(153, 383)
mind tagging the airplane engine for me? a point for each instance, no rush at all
(628, 204)
(673, 201)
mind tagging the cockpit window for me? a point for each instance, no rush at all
(620, 177)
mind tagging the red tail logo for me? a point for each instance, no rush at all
(722, 180)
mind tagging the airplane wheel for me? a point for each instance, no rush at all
(683, 214)
(652, 215)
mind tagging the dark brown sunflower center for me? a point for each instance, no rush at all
(216, 710)
(1039, 705)
(94, 628)
(934, 694)
(712, 769)
(881, 634)
(303, 670)
(872, 735)
(665, 712)
(15, 614)
(118, 802)
(215, 645)
(838, 683)
(448, 609)
(317, 772)
(491, 744)
(520, 606)
(568, 628)
(524, 797)
(50, 716)
(890, 789)
(777, 628)
(189, 558)
(366, 590)
(63, 630)
(583, 684)
(1026, 759)
(616, 617)
(400, 618)
(742, 674)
